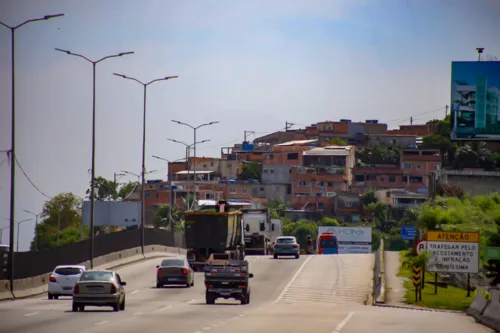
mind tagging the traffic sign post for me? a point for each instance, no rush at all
(417, 280)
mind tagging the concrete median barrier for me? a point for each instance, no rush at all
(491, 314)
(479, 304)
(38, 284)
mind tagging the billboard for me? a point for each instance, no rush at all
(351, 239)
(475, 95)
(113, 213)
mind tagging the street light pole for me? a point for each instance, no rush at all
(18, 224)
(1, 233)
(13, 140)
(188, 147)
(92, 176)
(195, 128)
(115, 194)
(143, 169)
(36, 225)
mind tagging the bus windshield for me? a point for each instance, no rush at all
(327, 244)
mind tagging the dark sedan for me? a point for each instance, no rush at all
(174, 271)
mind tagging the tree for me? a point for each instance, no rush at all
(383, 217)
(369, 198)
(337, 142)
(277, 208)
(379, 154)
(60, 213)
(474, 155)
(328, 222)
(250, 171)
(104, 189)
(127, 189)
(163, 215)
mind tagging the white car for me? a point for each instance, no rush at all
(63, 280)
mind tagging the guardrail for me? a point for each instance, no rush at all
(485, 307)
(378, 275)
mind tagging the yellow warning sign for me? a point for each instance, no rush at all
(447, 236)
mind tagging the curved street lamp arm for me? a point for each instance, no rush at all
(74, 54)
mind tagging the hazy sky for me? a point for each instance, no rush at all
(252, 65)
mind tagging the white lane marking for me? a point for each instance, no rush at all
(206, 328)
(343, 323)
(198, 332)
(102, 322)
(31, 314)
(292, 280)
(137, 313)
(192, 301)
(133, 292)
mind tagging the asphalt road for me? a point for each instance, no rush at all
(323, 293)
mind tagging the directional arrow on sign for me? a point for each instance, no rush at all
(417, 275)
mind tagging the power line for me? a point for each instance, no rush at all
(30, 181)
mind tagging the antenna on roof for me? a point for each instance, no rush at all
(288, 125)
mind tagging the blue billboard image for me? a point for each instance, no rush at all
(475, 94)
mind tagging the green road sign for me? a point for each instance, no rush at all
(492, 253)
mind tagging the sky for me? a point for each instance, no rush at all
(252, 65)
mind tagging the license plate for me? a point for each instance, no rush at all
(225, 293)
(67, 288)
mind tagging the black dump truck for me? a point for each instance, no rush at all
(227, 279)
(214, 230)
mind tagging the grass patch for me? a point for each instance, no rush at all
(450, 298)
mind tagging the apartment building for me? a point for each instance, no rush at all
(348, 207)
(400, 200)
(324, 172)
(276, 169)
(355, 133)
(418, 130)
(392, 140)
(416, 165)
(377, 176)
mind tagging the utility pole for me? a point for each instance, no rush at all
(446, 111)
(288, 125)
(115, 193)
(411, 120)
(480, 51)
(245, 134)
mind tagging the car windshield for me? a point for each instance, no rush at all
(172, 263)
(97, 276)
(285, 241)
(68, 271)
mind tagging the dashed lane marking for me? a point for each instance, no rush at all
(137, 313)
(31, 314)
(133, 292)
(102, 322)
(344, 322)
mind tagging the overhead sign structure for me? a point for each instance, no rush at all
(113, 213)
(408, 233)
(453, 252)
(475, 93)
(351, 240)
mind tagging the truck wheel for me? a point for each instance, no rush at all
(74, 307)
(297, 256)
(275, 256)
(245, 299)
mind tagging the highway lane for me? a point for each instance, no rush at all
(323, 293)
(145, 301)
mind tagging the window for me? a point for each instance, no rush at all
(419, 166)
(209, 196)
(245, 191)
(265, 170)
(156, 195)
(330, 184)
(319, 184)
(68, 271)
(406, 165)
(293, 156)
(204, 166)
(392, 179)
(211, 164)
(97, 276)
(271, 171)
(148, 195)
(233, 190)
(172, 263)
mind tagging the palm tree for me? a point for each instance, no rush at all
(473, 155)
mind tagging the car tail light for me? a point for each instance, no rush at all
(242, 286)
(160, 271)
(295, 246)
(52, 279)
(76, 289)
(113, 289)
(184, 271)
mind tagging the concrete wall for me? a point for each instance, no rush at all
(38, 284)
(30, 264)
(473, 182)
(276, 174)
